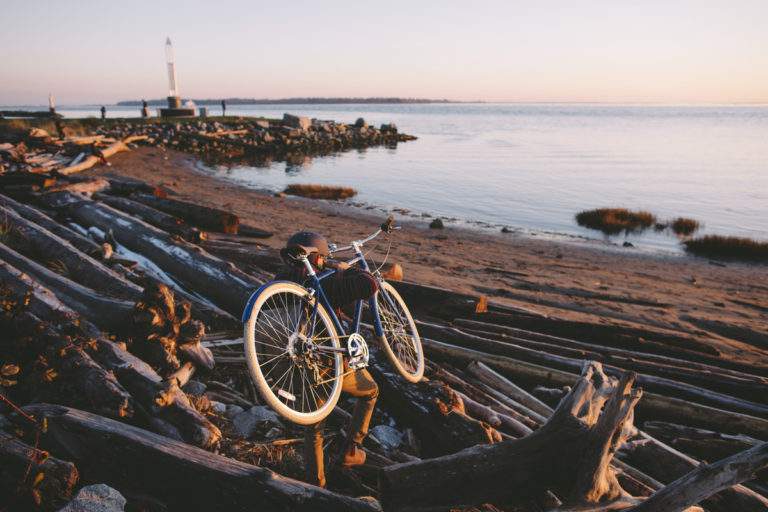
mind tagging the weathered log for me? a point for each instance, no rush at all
(700, 443)
(125, 186)
(80, 242)
(569, 455)
(707, 480)
(40, 244)
(433, 410)
(204, 217)
(252, 231)
(510, 389)
(212, 277)
(552, 341)
(667, 464)
(87, 187)
(108, 313)
(662, 385)
(722, 380)
(90, 161)
(200, 480)
(652, 406)
(31, 477)
(162, 220)
(160, 399)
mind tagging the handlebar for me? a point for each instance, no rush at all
(386, 227)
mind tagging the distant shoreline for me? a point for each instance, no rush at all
(291, 101)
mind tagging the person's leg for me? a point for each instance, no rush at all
(313, 454)
(361, 385)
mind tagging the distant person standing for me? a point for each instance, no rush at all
(103, 112)
(144, 108)
(223, 108)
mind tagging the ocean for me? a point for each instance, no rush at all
(532, 167)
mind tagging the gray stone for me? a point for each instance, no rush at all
(96, 498)
(194, 388)
(436, 224)
(218, 407)
(302, 123)
(258, 418)
(391, 127)
(360, 123)
(388, 437)
(233, 410)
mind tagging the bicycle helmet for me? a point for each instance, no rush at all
(309, 241)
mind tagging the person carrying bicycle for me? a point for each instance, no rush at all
(346, 286)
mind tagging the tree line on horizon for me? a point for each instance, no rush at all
(286, 101)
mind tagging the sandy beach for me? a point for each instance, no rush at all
(722, 305)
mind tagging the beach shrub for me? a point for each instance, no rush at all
(612, 221)
(728, 248)
(320, 191)
(684, 226)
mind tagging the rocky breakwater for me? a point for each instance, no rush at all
(258, 139)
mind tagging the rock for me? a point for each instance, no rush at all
(232, 411)
(627, 244)
(436, 224)
(258, 418)
(360, 123)
(96, 498)
(261, 123)
(388, 437)
(218, 407)
(280, 194)
(390, 128)
(505, 229)
(194, 388)
(38, 133)
(302, 123)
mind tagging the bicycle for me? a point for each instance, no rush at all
(292, 338)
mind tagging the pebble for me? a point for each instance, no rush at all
(218, 407)
(194, 388)
(233, 410)
(257, 418)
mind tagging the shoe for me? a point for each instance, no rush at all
(354, 456)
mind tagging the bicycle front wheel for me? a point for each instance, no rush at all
(285, 335)
(400, 339)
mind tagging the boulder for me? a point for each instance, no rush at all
(360, 123)
(96, 498)
(388, 437)
(232, 411)
(194, 388)
(303, 123)
(258, 418)
(436, 224)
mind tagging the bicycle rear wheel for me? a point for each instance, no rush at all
(284, 336)
(400, 339)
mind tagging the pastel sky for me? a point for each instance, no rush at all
(668, 51)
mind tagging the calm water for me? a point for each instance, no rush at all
(533, 167)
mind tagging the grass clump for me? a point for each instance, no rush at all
(684, 226)
(612, 221)
(728, 248)
(320, 191)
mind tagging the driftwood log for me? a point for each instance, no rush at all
(204, 217)
(80, 242)
(40, 244)
(90, 161)
(219, 280)
(31, 477)
(569, 455)
(706, 480)
(652, 406)
(162, 220)
(181, 476)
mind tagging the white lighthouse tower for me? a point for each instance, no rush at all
(174, 99)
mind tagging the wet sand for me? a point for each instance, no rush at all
(725, 306)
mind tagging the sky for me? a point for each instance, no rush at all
(672, 51)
